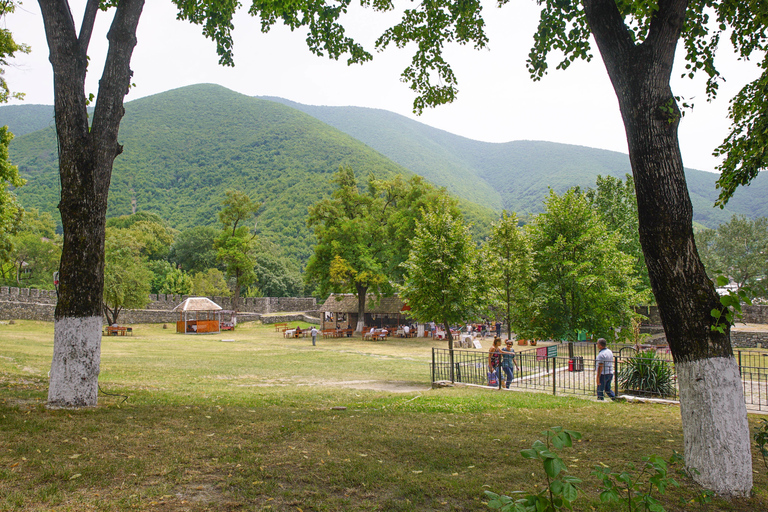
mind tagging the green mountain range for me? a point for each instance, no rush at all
(513, 175)
(184, 148)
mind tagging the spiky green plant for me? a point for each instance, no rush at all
(646, 374)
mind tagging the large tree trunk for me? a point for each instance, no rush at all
(85, 166)
(715, 428)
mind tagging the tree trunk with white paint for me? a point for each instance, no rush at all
(362, 295)
(715, 429)
(86, 155)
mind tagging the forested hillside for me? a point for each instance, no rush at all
(513, 175)
(24, 119)
(184, 148)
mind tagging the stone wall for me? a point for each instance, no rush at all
(754, 339)
(262, 305)
(752, 314)
(295, 317)
(26, 311)
(739, 339)
(33, 304)
(14, 294)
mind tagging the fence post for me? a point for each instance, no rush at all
(554, 375)
(739, 352)
(433, 364)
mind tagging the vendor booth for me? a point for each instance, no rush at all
(198, 315)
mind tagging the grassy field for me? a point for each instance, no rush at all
(264, 423)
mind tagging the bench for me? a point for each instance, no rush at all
(118, 330)
(329, 333)
(282, 326)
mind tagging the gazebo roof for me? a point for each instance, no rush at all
(347, 303)
(197, 304)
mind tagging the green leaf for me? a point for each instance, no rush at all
(553, 467)
(570, 492)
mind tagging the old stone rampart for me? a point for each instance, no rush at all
(34, 304)
(752, 314)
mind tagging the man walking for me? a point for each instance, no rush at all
(313, 332)
(604, 370)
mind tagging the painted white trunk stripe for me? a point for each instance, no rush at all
(75, 365)
(715, 428)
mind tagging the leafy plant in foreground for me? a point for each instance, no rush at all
(636, 491)
(761, 438)
(560, 490)
(731, 305)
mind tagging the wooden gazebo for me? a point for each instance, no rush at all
(198, 315)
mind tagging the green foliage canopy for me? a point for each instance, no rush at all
(350, 255)
(738, 250)
(236, 244)
(616, 204)
(126, 276)
(443, 279)
(210, 283)
(10, 209)
(192, 249)
(510, 269)
(35, 252)
(583, 280)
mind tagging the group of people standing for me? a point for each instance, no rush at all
(502, 359)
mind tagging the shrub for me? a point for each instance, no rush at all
(646, 374)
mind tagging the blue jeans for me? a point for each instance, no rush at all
(605, 386)
(510, 373)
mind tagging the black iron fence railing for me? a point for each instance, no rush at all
(637, 373)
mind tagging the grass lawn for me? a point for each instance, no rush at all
(265, 423)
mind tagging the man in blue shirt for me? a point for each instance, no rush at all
(604, 370)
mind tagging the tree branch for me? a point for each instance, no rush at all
(86, 30)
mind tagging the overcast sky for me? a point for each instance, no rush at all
(497, 101)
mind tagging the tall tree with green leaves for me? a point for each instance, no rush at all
(10, 209)
(236, 244)
(615, 202)
(738, 250)
(88, 145)
(509, 258)
(583, 281)
(277, 276)
(127, 279)
(210, 283)
(350, 255)
(443, 279)
(177, 282)
(403, 202)
(193, 249)
(35, 253)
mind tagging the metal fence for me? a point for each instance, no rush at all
(572, 371)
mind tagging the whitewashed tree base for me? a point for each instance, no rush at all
(715, 428)
(74, 379)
